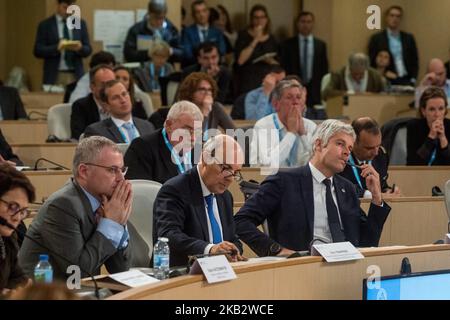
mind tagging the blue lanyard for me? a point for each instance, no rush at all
(205, 131)
(155, 84)
(355, 171)
(175, 156)
(277, 125)
(433, 157)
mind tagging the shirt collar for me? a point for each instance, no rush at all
(317, 175)
(309, 37)
(95, 204)
(280, 124)
(59, 18)
(200, 28)
(205, 190)
(393, 33)
(119, 123)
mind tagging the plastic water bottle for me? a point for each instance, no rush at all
(43, 272)
(161, 253)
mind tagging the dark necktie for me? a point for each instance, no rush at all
(69, 56)
(217, 237)
(305, 61)
(205, 35)
(333, 216)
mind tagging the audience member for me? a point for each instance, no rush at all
(11, 106)
(436, 76)
(382, 63)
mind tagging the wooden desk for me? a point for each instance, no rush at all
(24, 131)
(61, 153)
(381, 107)
(300, 278)
(47, 182)
(40, 101)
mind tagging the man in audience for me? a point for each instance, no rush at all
(154, 26)
(357, 77)
(86, 220)
(283, 139)
(121, 127)
(200, 31)
(82, 88)
(11, 106)
(306, 56)
(90, 109)
(166, 152)
(436, 76)
(367, 151)
(313, 203)
(401, 46)
(6, 153)
(257, 104)
(63, 60)
(201, 221)
(208, 61)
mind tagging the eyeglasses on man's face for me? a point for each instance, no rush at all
(227, 172)
(14, 208)
(112, 170)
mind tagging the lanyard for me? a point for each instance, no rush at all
(433, 157)
(155, 84)
(355, 171)
(277, 125)
(181, 168)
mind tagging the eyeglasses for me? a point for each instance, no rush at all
(112, 170)
(14, 208)
(227, 173)
(205, 90)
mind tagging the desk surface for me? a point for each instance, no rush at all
(24, 131)
(61, 153)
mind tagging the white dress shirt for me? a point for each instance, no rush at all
(119, 124)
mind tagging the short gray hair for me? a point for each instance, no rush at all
(157, 7)
(277, 92)
(184, 107)
(88, 150)
(216, 144)
(328, 129)
(358, 61)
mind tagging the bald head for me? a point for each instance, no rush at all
(437, 67)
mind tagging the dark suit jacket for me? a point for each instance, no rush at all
(11, 274)
(84, 113)
(379, 41)
(380, 164)
(46, 47)
(11, 104)
(179, 214)
(290, 60)
(6, 151)
(107, 128)
(286, 200)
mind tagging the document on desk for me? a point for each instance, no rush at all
(337, 252)
(133, 278)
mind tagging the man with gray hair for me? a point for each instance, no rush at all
(154, 26)
(166, 152)
(313, 203)
(356, 77)
(86, 220)
(195, 211)
(283, 138)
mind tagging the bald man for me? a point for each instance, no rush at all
(436, 76)
(195, 211)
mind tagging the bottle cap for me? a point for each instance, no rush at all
(163, 239)
(43, 257)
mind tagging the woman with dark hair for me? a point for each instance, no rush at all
(201, 89)
(383, 61)
(16, 192)
(124, 76)
(256, 50)
(220, 18)
(428, 136)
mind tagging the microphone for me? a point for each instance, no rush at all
(23, 234)
(59, 166)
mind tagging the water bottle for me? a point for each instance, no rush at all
(161, 254)
(43, 272)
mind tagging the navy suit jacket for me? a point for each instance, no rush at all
(46, 47)
(11, 104)
(190, 40)
(179, 214)
(286, 200)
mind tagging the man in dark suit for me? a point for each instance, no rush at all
(165, 153)
(306, 56)
(90, 109)
(11, 106)
(195, 211)
(401, 46)
(121, 127)
(200, 31)
(368, 150)
(313, 202)
(6, 153)
(62, 62)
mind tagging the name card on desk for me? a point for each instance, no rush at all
(447, 238)
(216, 269)
(337, 252)
(133, 278)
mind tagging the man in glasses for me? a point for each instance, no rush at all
(86, 220)
(195, 211)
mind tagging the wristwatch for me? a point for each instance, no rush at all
(274, 249)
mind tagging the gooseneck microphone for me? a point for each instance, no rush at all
(23, 234)
(59, 166)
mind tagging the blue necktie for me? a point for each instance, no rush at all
(129, 127)
(69, 56)
(217, 237)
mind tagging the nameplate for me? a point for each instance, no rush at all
(133, 278)
(447, 238)
(216, 269)
(337, 252)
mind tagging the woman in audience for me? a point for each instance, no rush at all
(16, 191)
(219, 18)
(255, 51)
(201, 89)
(383, 61)
(124, 76)
(427, 138)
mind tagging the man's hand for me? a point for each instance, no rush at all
(285, 252)
(269, 84)
(293, 119)
(227, 248)
(76, 46)
(428, 80)
(372, 182)
(118, 207)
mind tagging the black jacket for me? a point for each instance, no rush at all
(6, 151)
(11, 104)
(11, 274)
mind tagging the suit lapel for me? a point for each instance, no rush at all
(112, 128)
(308, 196)
(85, 202)
(199, 202)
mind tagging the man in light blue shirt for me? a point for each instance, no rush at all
(436, 76)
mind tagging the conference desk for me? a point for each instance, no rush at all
(47, 182)
(24, 131)
(40, 102)
(299, 278)
(61, 153)
(381, 107)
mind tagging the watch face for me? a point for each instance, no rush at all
(275, 248)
